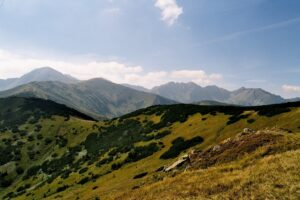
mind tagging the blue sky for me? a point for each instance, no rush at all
(230, 43)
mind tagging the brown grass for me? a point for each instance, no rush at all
(255, 175)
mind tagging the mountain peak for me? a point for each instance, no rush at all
(45, 71)
(253, 97)
(38, 75)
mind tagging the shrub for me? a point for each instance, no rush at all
(31, 172)
(179, 145)
(138, 153)
(235, 118)
(250, 121)
(19, 170)
(31, 155)
(5, 183)
(48, 141)
(83, 170)
(30, 138)
(61, 142)
(55, 155)
(84, 180)
(162, 134)
(104, 161)
(140, 175)
(38, 128)
(39, 136)
(62, 188)
(116, 166)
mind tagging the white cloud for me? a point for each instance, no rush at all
(170, 10)
(291, 88)
(197, 76)
(14, 65)
(111, 11)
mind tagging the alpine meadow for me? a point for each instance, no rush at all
(149, 100)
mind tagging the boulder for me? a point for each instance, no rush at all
(178, 163)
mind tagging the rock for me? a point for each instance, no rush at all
(216, 148)
(248, 131)
(178, 163)
(193, 155)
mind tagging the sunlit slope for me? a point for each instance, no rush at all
(69, 157)
(261, 165)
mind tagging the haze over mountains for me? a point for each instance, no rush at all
(101, 98)
(98, 98)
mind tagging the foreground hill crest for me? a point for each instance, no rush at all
(53, 152)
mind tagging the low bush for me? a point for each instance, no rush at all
(140, 175)
(179, 145)
(162, 134)
(48, 141)
(62, 188)
(83, 170)
(250, 121)
(84, 181)
(138, 153)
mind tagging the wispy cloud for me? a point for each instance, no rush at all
(170, 10)
(14, 65)
(2, 3)
(291, 88)
(254, 30)
(256, 81)
(111, 11)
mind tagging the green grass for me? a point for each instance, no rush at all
(78, 145)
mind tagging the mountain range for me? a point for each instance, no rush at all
(101, 98)
(98, 98)
(193, 93)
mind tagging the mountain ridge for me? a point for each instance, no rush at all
(37, 75)
(191, 92)
(177, 92)
(97, 97)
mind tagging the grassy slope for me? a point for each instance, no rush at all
(213, 129)
(250, 177)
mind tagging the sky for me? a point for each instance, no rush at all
(228, 43)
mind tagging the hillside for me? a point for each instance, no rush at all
(96, 97)
(59, 157)
(259, 165)
(40, 74)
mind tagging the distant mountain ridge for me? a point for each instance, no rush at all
(193, 93)
(101, 98)
(98, 98)
(253, 97)
(37, 75)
